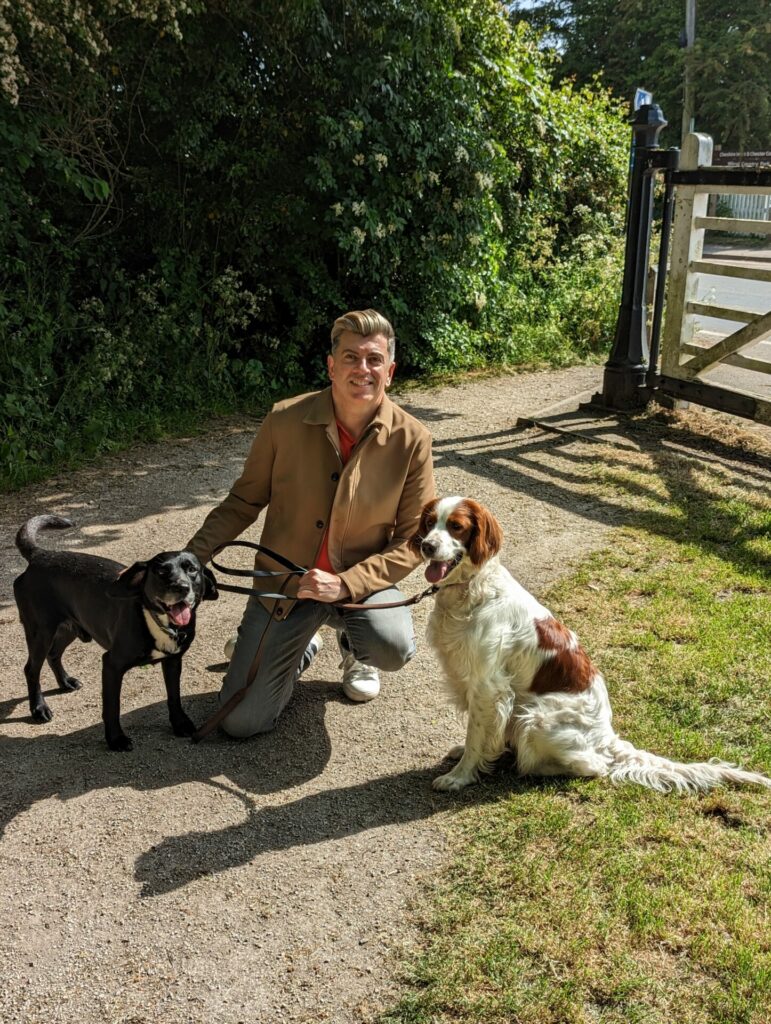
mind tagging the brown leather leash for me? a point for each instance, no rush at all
(291, 570)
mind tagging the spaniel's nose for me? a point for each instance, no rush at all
(428, 548)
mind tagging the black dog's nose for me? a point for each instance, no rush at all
(427, 548)
(179, 586)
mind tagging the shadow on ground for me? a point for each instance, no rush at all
(42, 766)
(549, 457)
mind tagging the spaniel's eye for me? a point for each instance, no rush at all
(455, 527)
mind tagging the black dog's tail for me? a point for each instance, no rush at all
(27, 535)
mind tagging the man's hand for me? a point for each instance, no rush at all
(318, 585)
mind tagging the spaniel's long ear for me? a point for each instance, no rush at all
(426, 524)
(486, 537)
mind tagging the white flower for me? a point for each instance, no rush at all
(380, 231)
(433, 178)
(337, 208)
(484, 181)
(457, 205)
(480, 300)
(381, 160)
(461, 154)
(359, 159)
(475, 240)
(358, 208)
(358, 235)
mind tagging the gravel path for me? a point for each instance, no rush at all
(257, 881)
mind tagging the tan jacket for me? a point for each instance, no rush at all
(371, 505)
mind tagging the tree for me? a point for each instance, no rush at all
(633, 43)
(193, 189)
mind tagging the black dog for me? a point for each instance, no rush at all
(145, 615)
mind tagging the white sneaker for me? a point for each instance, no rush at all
(360, 682)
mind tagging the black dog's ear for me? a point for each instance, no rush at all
(130, 581)
(210, 592)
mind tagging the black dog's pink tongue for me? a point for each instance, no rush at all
(436, 571)
(179, 613)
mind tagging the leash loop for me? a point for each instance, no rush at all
(292, 569)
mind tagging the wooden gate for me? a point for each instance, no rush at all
(695, 356)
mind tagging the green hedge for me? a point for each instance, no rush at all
(192, 192)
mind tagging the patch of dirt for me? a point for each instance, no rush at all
(266, 880)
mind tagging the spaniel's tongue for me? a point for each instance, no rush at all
(179, 613)
(436, 571)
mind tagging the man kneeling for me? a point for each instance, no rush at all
(344, 473)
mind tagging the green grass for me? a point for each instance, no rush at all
(574, 902)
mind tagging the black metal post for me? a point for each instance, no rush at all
(669, 161)
(624, 383)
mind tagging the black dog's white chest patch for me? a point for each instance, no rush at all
(165, 644)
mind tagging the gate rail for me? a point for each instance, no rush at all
(631, 375)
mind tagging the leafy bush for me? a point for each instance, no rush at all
(193, 191)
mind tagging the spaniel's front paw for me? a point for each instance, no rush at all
(453, 781)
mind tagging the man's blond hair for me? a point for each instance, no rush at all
(365, 322)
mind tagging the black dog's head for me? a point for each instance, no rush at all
(173, 583)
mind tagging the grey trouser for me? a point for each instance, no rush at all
(381, 638)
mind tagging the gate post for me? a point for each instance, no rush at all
(687, 246)
(624, 383)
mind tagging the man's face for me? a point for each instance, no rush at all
(360, 371)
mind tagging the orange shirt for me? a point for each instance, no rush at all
(347, 444)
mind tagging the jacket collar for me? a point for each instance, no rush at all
(322, 414)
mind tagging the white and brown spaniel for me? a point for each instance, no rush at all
(521, 675)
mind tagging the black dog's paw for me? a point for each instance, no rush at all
(120, 742)
(41, 712)
(70, 683)
(183, 726)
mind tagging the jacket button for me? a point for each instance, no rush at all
(335, 477)
(319, 523)
(279, 612)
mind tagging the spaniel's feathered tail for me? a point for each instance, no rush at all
(646, 769)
